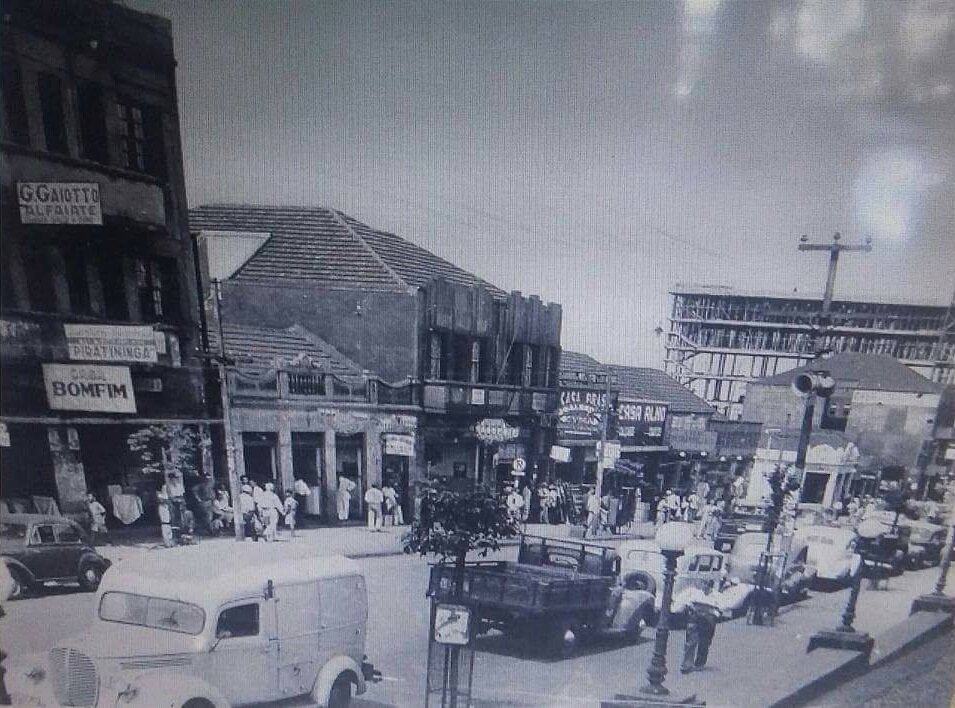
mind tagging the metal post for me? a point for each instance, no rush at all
(850, 612)
(657, 671)
(946, 563)
(234, 489)
(604, 425)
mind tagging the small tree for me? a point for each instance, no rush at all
(452, 524)
(153, 442)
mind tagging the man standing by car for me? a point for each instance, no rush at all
(702, 615)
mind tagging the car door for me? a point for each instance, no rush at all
(243, 661)
(299, 623)
(69, 548)
(41, 552)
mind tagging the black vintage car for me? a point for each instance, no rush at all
(38, 549)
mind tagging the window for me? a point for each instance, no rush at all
(68, 534)
(54, 119)
(37, 267)
(239, 621)
(92, 123)
(43, 534)
(154, 612)
(114, 287)
(77, 282)
(141, 142)
(434, 354)
(15, 126)
(157, 284)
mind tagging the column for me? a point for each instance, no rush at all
(285, 475)
(329, 512)
(67, 470)
(372, 456)
(239, 451)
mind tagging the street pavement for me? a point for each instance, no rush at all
(744, 660)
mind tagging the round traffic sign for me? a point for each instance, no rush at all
(519, 464)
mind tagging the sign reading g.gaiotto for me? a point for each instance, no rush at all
(72, 387)
(59, 203)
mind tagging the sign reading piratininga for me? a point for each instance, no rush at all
(73, 387)
(110, 343)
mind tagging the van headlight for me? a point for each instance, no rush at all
(36, 674)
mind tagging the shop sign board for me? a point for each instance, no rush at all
(401, 445)
(560, 453)
(950, 452)
(691, 440)
(59, 203)
(492, 430)
(580, 412)
(4, 435)
(641, 422)
(111, 343)
(106, 389)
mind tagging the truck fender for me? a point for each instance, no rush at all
(331, 671)
(174, 688)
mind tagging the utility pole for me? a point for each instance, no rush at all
(604, 427)
(220, 360)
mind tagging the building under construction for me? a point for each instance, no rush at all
(720, 338)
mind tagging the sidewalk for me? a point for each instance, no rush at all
(357, 541)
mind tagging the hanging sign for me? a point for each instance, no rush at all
(518, 467)
(108, 389)
(580, 412)
(401, 445)
(641, 422)
(59, 203)
(492, 430)
(560, 453)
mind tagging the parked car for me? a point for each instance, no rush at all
(831, 552)
(38, 549)
(556, 593)
(788, 571)
(888, 552)
(697, 567)
(212, 626)
(926, 543)
(742, 520)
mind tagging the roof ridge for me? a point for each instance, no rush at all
(374, 254)
(328, 349)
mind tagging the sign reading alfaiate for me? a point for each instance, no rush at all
(59, 203)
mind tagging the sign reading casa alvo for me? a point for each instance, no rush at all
(59, 203)
(107, 389)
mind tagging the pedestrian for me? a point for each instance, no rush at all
(553, 505)
(222, 513)
(673, 506)
(526, 494)
(97, 517)
(270, 508)
(514, 502)
(713, 523)
(662, 509)
(202, 501)
(544, 503)
(392, 509)
(302, 493)
(374, 499)
(702, 614)
(692, 507)
(289, 510)
(250, 519)
(343, 497)
(593, 513)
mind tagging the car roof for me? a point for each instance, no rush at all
(650, 545)
(214, 573)
(27, 519)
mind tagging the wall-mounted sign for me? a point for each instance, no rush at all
(107, 389)
(401, 445)
(641, 422)
(110, 343)
(560, 453)
(581, 412)
(59, 203)
(492, 430)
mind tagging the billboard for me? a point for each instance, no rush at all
(580, 413)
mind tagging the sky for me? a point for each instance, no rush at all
(594, 154)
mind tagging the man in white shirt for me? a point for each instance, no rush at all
(702, 614)
(374, 499)
(343, 497)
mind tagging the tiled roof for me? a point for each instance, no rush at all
(867, 372)
(576, 361)
(261, 348)
(326, 247)
(653, 384)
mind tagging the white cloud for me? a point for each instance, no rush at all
(824, 27)
(699, 24)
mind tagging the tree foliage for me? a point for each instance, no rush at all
(451, 524)
(152, 442)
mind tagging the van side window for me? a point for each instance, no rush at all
(239, 621)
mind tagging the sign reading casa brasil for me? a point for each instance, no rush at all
(71, 387)
(59, 203)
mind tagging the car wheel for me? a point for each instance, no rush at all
(90, 576)
(198, 703)
(340, 695)
(635, 632)
(20, 585)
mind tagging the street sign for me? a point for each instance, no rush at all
(519, 464)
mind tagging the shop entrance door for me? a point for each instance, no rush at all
(350, 462)
(259, 452)
(308, 464)
(395, 472)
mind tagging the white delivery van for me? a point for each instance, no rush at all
(213, 625)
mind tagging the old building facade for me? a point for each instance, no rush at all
(99, 311)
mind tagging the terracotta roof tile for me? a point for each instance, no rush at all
(262, 348)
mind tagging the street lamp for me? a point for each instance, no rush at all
(938, 601)
(845, 635)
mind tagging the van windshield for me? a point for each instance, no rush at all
(153, 612)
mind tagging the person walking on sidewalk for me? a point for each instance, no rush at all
(702, 615)
(343, 497)
(289, 511)
(250, 520)
(97, 517)
(270, 508)
(374, 499)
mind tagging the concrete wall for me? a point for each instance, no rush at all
(892, 426)
(777, 406)
(383, 339)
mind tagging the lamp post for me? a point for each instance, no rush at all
(673, 539)
(938, 601)
(845, 636)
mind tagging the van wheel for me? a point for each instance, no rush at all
(564, 638)
(340, 695)
(90, 576)
(198, 703)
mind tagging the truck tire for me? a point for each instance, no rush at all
(563, 639)
(340, 695)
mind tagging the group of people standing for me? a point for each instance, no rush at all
(383, 507)
(261, 509)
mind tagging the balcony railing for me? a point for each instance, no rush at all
(307, 385)
(489, 399)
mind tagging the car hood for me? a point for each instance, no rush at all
(113, 640)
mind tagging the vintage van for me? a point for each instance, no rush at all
(213, 625)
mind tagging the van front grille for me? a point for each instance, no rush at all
(74, 677)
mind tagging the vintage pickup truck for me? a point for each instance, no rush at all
(557, 593)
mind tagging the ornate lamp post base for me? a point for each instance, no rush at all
(841, 639)
(645, 700)
(933, 603)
